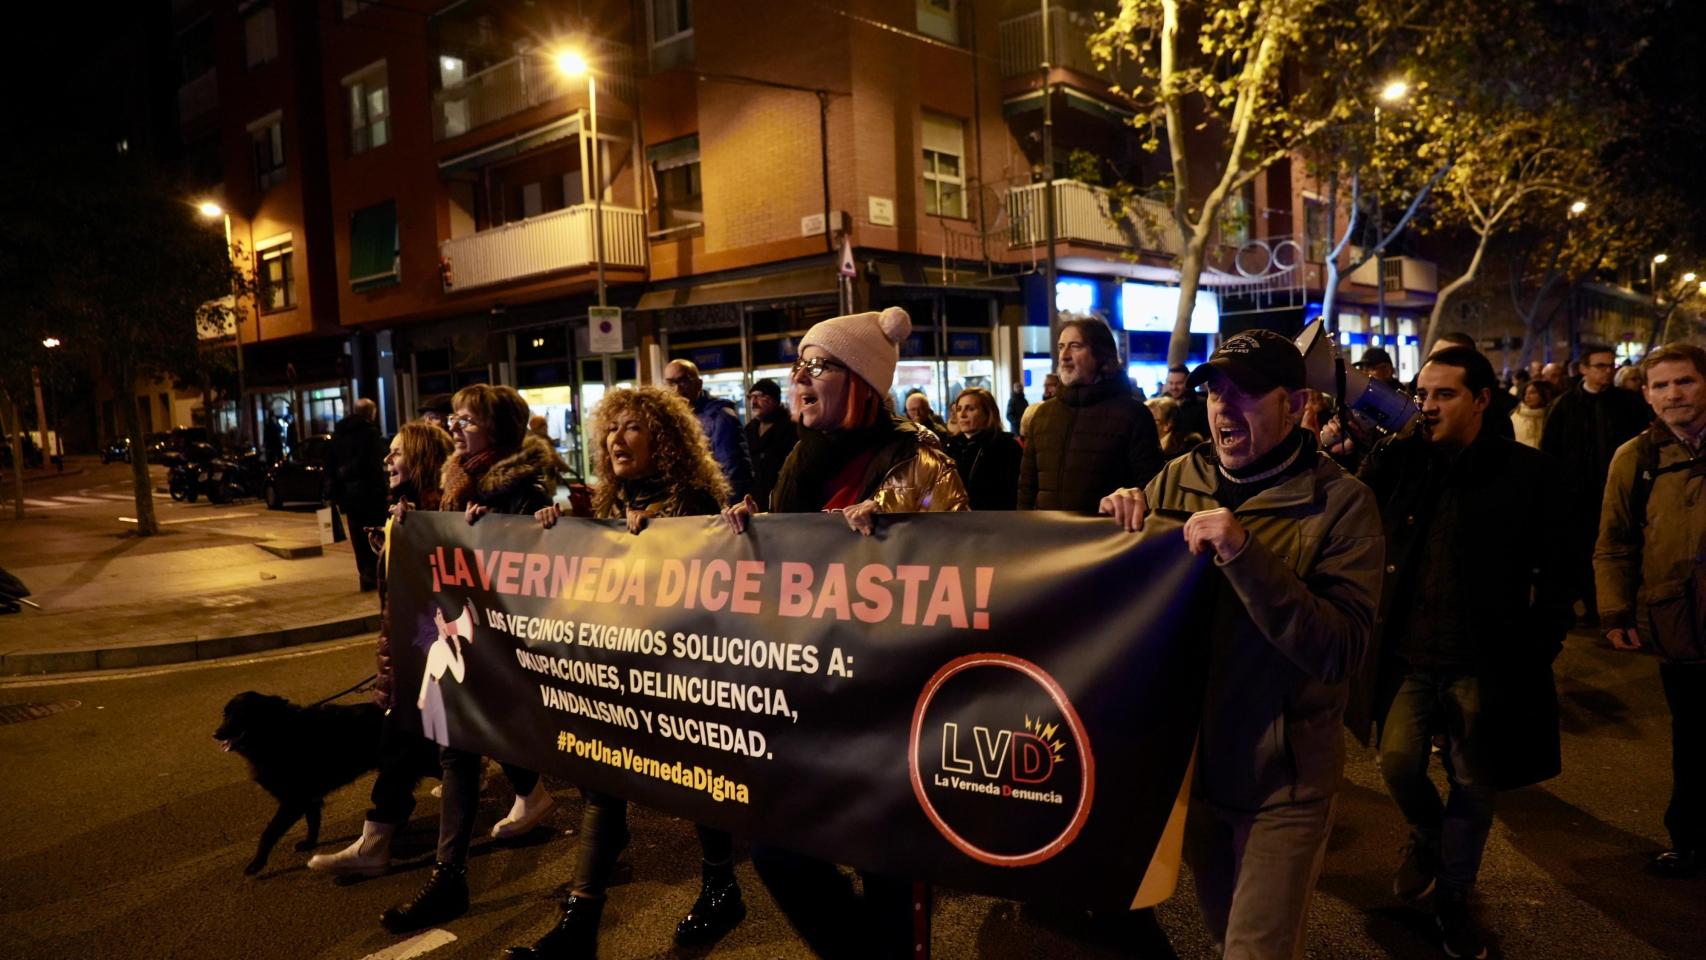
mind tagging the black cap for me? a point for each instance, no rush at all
(1257, 361)
(1372, 356)
(768, 387)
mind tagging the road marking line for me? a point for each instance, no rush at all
(41, 504)
(223, 516)
(414, 946)
(68, 498)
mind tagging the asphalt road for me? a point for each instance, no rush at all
(126, 829)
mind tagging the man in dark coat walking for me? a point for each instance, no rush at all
(1587, 424)
(770, 437)
(1094, 437)
(720, 422)
(1474, 609)
(355, 477)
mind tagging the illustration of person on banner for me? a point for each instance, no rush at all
(654, 462)
(855, 458)
(1299, 547)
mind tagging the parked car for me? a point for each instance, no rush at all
(300, 478)
(155, 448)
(116, 450)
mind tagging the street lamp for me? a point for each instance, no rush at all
(1578, 208)
(571, 63)
(1394, 91)
(50, 342)
(211, 211)
(1688, 278)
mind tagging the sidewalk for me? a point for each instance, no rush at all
(111, 602)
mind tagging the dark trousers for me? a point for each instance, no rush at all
(604, 833)
(818, 899)
(1685, 691)
(405, 757)
(462, 800)
(358, 516)
(1446, 702)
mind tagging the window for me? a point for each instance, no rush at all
(373, 247)
(939, 19)
(672, 32)
(681, 201)
(944, 166)
(260, 34)
(1315, 229)
(1236, 215)
(267, 138)
(369, 98)
(277, 275)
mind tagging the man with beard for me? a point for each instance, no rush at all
(1094, 437)
(1474, 609)
(1651, 537)
(1585, 427)
(1297, 552)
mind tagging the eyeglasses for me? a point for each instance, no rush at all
(818, 367)
(462, 422)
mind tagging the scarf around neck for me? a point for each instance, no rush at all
(464, 479)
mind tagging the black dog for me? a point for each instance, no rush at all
(298, 754)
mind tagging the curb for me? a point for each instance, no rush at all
(185, 651)
(54, 476)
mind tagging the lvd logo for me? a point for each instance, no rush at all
(1020, 756)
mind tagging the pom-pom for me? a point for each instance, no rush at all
(895, 324)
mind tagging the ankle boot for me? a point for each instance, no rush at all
(524, 814)
(445, 897)
(717, 911)
(575, 937)
(368, 856)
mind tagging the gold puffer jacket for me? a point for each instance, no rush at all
(927, 482)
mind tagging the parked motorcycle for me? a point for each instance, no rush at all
(193, 473)
(238, 477)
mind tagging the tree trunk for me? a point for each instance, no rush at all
(1190, 274)
(15, 438)
(1450, 290)
(125, 387)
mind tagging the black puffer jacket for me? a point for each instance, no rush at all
(1084, 444)
(989, 465)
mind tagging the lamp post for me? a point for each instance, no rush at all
(210, 210)
(1048, 169)
(1394, 92)
(55, 452)
(572, 64)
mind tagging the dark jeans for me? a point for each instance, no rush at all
(819, 901)
(405, 757)
(604, 833)
(1685, 691)
(1447, 702)
(462, 800)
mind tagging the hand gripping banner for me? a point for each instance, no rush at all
(1001, 702)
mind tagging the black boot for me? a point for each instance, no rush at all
(445, 897)
(717, 911)
(575, 937)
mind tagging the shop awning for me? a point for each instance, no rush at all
(808, 282)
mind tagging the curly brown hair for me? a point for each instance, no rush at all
(680, 453)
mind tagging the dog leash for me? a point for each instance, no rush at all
(362, 684)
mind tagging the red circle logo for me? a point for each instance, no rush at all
(991, 756)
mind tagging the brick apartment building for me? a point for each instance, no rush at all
(415, 184)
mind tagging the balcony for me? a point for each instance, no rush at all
(1021, 44)
(198, 96)
(552, 242)
(1405, 281)
(524, 81)
(1084, 214)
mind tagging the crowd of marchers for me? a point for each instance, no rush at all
(1414, 587)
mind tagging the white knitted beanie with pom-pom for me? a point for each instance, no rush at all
(869, 343)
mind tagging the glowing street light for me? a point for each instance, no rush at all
(1579, 207)
(1688, 278)
(210, 210)
(1394, 91)
(570, 63)
(1661, 258)
(50, 342)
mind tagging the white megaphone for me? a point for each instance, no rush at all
(1370, 402)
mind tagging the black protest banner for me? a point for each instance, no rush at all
(1000, 702)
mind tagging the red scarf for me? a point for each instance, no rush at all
(463, 475)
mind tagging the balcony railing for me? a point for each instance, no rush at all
(523, 81)
(198, 96)
(560, 240)
(1021, 44)
(1085, 213)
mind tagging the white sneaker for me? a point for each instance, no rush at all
(369, 855)
(524, 814)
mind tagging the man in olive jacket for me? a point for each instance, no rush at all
(1474, 608)
(1297, 543)
(1652, 544)
(1093, 437)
